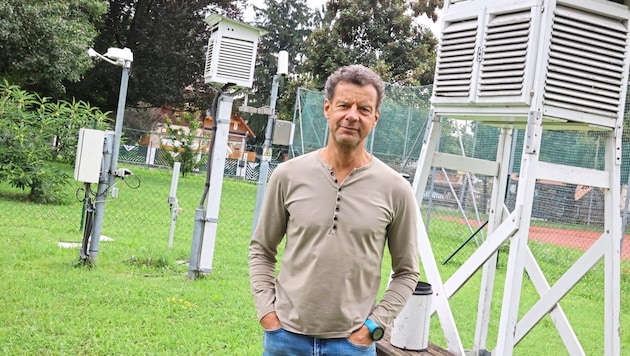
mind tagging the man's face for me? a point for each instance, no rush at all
(351, 114)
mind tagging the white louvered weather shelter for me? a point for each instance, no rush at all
(231, 52)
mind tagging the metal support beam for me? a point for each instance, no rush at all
(206, 221)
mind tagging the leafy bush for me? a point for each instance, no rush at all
(35, 131)
(69, 118)
(182, 135)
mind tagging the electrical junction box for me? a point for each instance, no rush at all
(283, 133)
(87, 167)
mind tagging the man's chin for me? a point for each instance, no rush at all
(347, 142)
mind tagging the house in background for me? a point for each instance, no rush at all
(237, 137)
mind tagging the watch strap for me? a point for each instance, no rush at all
(372, 327)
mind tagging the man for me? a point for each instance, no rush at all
(338, 207)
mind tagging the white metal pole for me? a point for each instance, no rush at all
(172, 200)
(219, 150)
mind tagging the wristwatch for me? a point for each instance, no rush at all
(376, 331)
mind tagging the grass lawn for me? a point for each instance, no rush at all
(137, 299)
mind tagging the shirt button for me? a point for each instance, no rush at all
(334, 227)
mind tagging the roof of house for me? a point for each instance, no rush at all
(237, 126)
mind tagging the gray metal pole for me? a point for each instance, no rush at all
(195, 248)
(264, 164)
(120, 114)
(101, 197)
(110, 164)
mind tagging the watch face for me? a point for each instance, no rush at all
(377, 334)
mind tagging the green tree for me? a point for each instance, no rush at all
(381, 34)
(44, 43)
(139, 121)
(168, 40)
(29, 127)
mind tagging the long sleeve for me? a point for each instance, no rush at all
(269, 232)
(403, 247)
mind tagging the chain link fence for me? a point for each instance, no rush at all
(455, 202)
(569, 215)
(176, 216)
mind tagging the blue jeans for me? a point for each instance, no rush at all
(284, 343)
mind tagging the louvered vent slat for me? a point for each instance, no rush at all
(565, 100)
(580, 77)
(563, 60)
(506, 26)
(506, 41)
(499, 80)
(587, 41)
(464, 52)
(582, 91)
(461, 38)
(456, 57)
(507, 38)
(557, 65)
(506, 70)
(579, 44)
(454, 69)
(502, 61)
(459, 61)
(513, 54)
(586, 62)
(613, 30)
(235, 58)
(208, 68)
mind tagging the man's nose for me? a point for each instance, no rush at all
(353, 113)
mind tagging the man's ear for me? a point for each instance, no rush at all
(376, 116)
(326, 108)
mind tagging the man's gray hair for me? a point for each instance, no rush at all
(356, 74)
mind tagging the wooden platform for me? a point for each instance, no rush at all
(384, 348)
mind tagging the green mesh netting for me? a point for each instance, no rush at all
(396, 139)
